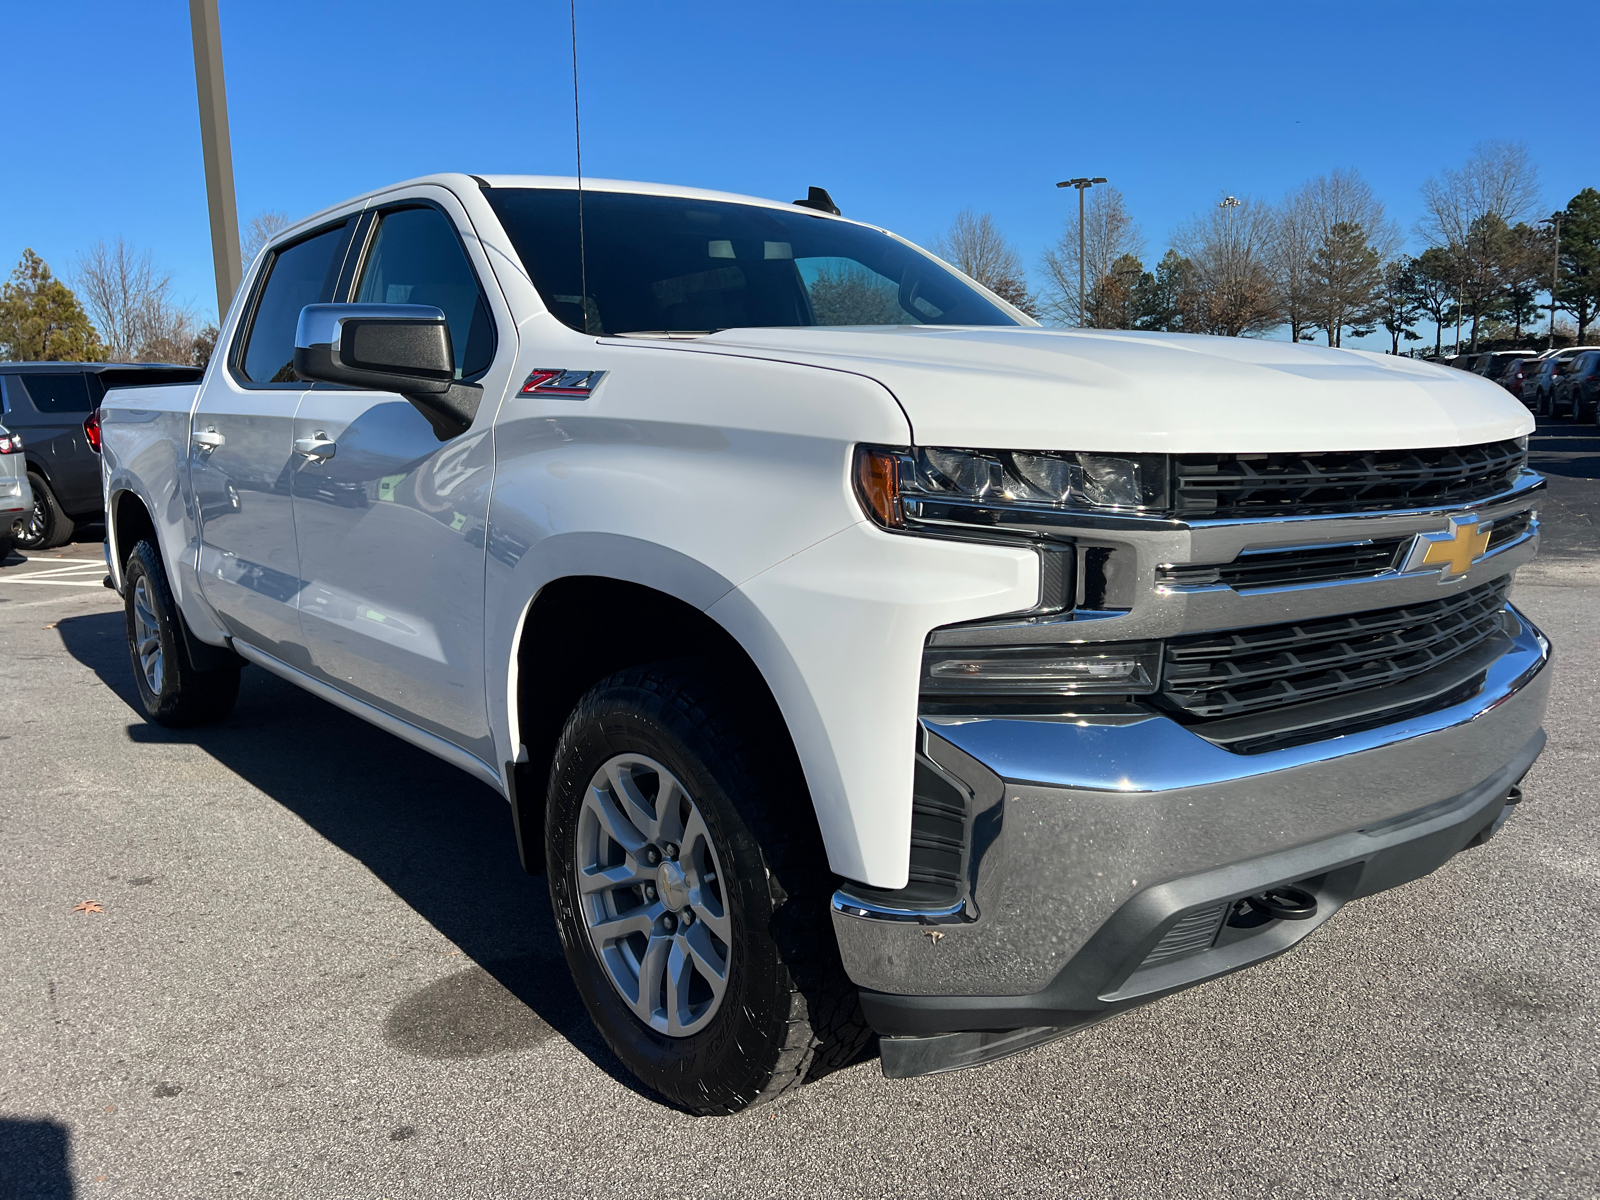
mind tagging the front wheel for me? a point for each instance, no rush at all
(691, 892)
(172, 690)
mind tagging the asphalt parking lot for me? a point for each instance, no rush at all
(318, 970)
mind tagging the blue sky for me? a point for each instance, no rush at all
(906, 112)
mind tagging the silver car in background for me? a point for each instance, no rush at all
(16, 497)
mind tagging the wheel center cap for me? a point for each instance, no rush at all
(672, 886)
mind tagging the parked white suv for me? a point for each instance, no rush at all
(855, 654)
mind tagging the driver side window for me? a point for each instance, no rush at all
(416, 258)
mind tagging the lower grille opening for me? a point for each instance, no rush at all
(1192, 934)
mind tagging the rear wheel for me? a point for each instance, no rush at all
(45, 526)
(172, 690)
(691, 892)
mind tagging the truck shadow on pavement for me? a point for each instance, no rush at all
(35, 1159)
(438, 838)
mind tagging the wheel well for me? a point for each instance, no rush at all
(583, 628)
(131, 523)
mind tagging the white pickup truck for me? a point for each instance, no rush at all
(855, 655)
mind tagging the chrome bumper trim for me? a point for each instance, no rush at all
(852, 906)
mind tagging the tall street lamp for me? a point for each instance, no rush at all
(1083, 184)
(216, 150)
(1554, 219)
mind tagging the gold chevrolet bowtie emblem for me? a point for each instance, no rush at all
(1455, 550)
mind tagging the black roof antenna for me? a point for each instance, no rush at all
(819, 199)
(577, 139)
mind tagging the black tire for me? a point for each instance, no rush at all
(788, 1013)
(46, 526)
(175, 692)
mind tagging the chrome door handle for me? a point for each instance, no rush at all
(316, 447)
(208, 439)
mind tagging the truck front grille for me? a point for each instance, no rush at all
(1288, 568)
(1281, 485)
(1302, 565)
(1244, 671)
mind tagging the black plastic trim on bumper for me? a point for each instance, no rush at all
(1107, 976)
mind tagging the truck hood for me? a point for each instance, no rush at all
(1113, 390)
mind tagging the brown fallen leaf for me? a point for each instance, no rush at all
(87, 906)
(111, 1108)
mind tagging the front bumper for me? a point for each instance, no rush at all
(1098, 846)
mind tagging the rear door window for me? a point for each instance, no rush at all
(301, 274)
(416, 258)
(58, 392)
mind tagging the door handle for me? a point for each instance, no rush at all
(317, 447)
(208, 439)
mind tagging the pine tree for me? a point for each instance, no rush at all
(41, 320)
(1579, 293)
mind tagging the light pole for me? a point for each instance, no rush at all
(216, 149)
(1554, 219)
(1229, 202)
(1083, 184)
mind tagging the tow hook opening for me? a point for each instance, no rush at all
(1283, 902)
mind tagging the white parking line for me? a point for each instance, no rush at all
(83, 566)
(56, 582)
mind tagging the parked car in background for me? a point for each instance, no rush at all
(16, 497)
(47, 403)
(1539, 381)
(1575, 386)
(1493, 365)
(1515, 375)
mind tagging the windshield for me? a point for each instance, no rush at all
(666, 264)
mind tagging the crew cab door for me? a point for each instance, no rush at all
(391, 521)
(241, 455)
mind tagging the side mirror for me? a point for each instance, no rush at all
(402, 348)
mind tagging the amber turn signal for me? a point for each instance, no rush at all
(878, 485)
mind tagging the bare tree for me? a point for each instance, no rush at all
(1231, 247)
(1350, 237)
(1109, 234)
(975, 246)
(1499, 180)
(130, 301)
(261, 230)
(1293, 245)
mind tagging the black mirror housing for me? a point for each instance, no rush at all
(402, 348)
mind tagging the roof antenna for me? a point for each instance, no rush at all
(577, 138)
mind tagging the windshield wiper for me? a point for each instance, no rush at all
(668, 334)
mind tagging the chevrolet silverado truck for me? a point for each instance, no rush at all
(856, 656)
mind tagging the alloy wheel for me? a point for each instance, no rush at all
(651, 894)
(147, 637)
(31, 529)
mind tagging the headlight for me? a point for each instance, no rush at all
(895, 485)
(1041, 670)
